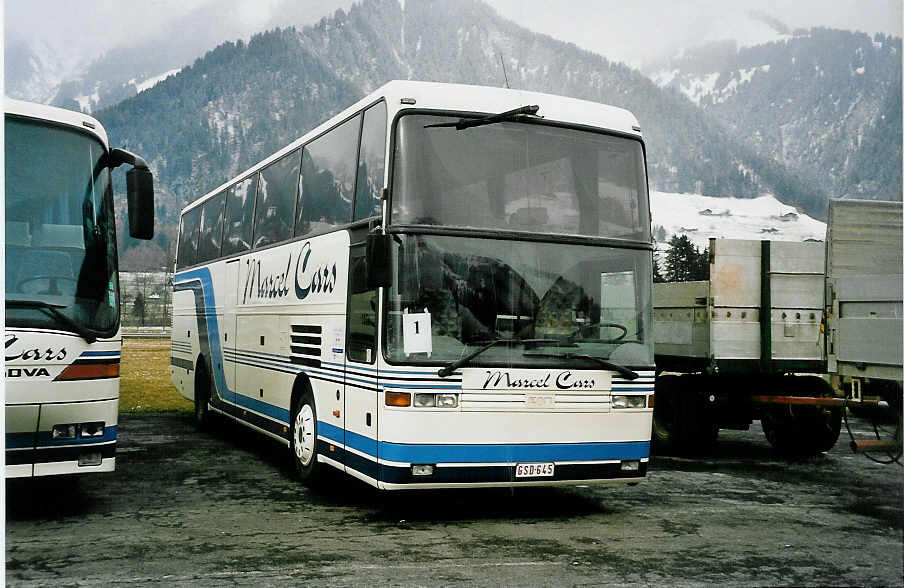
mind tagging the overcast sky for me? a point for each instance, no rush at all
(623, 31)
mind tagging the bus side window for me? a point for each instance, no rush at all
(275, 200)
(361, 344)
(211, 233)
(188, 238)
(239, 216)
(328, 179)
(371, 163)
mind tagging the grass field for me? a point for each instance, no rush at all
(145, 379)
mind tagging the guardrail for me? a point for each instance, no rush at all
(146, 332)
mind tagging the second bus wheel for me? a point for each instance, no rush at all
(304, 439)
(203, 392)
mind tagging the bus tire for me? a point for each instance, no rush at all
(303, 441)
(203, 385)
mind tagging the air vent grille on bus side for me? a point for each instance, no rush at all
(306, 345)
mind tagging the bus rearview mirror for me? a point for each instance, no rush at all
(140, 188)
(379, 260)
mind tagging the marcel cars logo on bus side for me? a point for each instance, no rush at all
(530, 380)
(309, 278)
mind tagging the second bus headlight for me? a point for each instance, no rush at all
(633, 401)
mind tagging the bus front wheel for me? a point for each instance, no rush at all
(304, 439)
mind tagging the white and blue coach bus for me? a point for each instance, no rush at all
(61, 381)
(441, 286)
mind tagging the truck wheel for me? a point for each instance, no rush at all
(304, 439)
(801, 431)
(682, 423)
(665, 415)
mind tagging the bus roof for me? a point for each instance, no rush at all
(62, 116)
(403, 95)
(467, 98)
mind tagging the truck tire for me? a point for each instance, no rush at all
(802, 431)
(665, 434)
(682, 423)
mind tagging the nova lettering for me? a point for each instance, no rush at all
(26, 372)
(314, 279)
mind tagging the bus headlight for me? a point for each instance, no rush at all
(633, 401)
(63, 432)
(92, 429)
(426, 400)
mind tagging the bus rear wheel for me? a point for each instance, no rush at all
(203, 385)
(303, 442)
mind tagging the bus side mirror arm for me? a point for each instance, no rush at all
(140, 190)
(379, 260)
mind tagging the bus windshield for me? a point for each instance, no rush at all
(548, 301)
(60, 230)
(513, 176)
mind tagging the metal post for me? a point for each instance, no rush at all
(765, 309)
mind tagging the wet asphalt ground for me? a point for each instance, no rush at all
(187, 508)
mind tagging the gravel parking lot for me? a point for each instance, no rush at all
(189, 508)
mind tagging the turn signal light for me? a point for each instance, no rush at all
(398, 399)
(89, 371)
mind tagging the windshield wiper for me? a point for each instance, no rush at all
(451, 367)
(54, 311)
(509, 115)
(627, 373)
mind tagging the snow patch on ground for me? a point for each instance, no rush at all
(701, 217)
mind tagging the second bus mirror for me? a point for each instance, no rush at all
(140, 187)
(379, 260)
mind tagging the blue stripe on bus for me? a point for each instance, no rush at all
(539, 452)
(99, 353)
(270, 410)
(19, 440)
(484, 453)
(332, 432)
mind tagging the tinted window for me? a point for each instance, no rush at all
(188, 238)
(328, 179)
(276, 200)
(239, 211)
(362, 315)
(211, 228)
(60, 229)
(513, 176)
(370, 163)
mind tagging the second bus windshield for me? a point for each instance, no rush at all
(519, 177)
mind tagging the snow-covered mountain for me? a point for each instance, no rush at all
(100, 72)
(825, 103)
(701, 217)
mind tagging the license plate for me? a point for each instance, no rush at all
(534, 470)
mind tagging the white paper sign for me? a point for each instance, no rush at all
(337, 345)
(416, 332)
